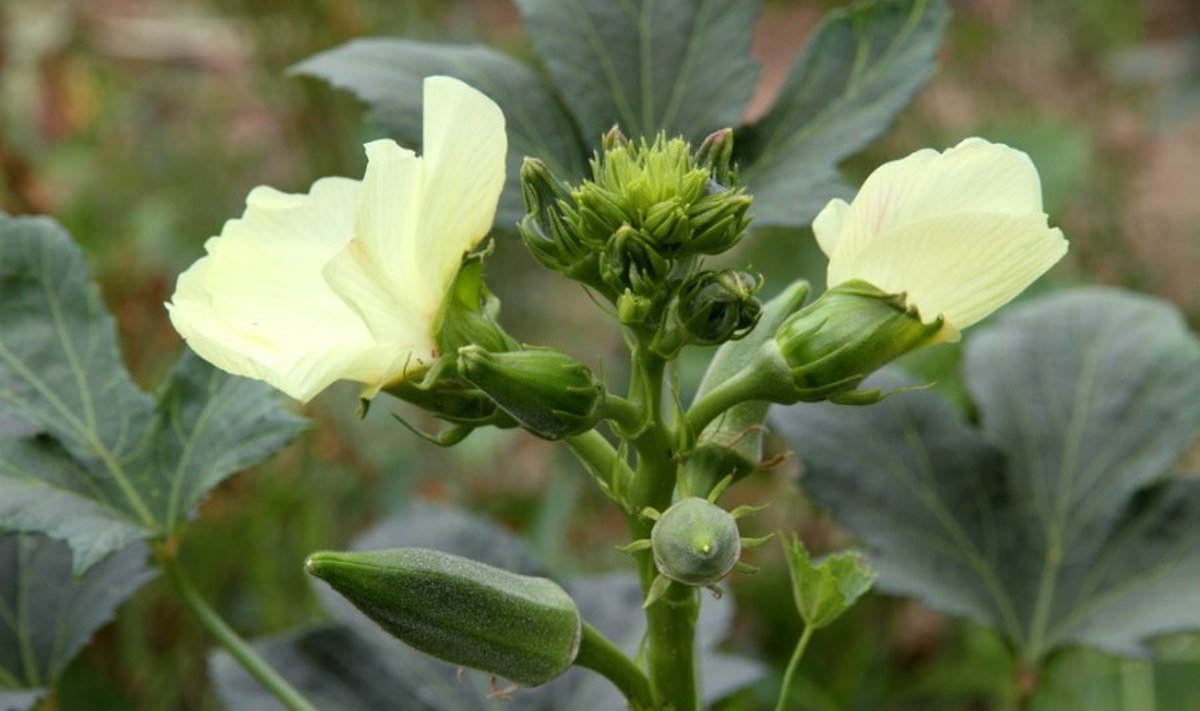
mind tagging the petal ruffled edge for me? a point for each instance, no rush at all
(961, 267)
(257, 306)
(975, 176)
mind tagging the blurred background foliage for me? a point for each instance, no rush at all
(142, 124)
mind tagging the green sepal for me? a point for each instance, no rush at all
(469, 313)
(658, 588)
(823, 591)
(640, 544)
(525, 629)
(550, 393)
(442, 392)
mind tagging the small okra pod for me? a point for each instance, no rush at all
(525, 629)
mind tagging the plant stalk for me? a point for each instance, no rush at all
(597, 653)
(792, 666)
(671, 621)
(245, 655)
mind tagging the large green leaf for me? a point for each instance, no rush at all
(85, 456)
(647, 65)
(47, 614)
(861, 66)
(352, 664)
(1060, 521)
(387, 74)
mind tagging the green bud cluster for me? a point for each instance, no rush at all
(633, 227)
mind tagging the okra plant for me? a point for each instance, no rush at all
(381, 282)
(629, 173)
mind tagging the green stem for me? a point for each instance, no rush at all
(235, 645)
(671, 638)
(747, 385)
(601, 461)
(600, 655)
(671, 621)
(792, 666)
(625, 413)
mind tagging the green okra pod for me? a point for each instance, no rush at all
(524, 629)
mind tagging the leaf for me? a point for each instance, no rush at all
(862, 65)
(47, 614)
(85, 456)
(387, 74)
(351, 664)
(1060, 522)
(823, 591)
(209, 425)
(680, 67)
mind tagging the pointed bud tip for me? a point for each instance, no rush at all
(533, 165)
(613, 138)
(318, 564)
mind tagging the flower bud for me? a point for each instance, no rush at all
(695, 542)
(613, 139)
(522, 628)
(633, 310)
(551, 394)
(668, 225)
(631, 261)
(716, 154)
(674, 199)
(720, 220)
(544, 229)
(831, 345)
(715, 307)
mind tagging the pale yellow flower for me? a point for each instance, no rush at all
(347, 281)
(959, 233)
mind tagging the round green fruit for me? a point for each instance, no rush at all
(695, 542)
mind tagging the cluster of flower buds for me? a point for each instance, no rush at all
(634, 227)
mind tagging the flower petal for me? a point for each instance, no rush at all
(828, 225)
(419, 216)
(961, 267)
(464, 147)
(975, 176)
(378, 273)
(257, 306)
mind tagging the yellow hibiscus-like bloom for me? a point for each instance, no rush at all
(347, 281)
(959, 233)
